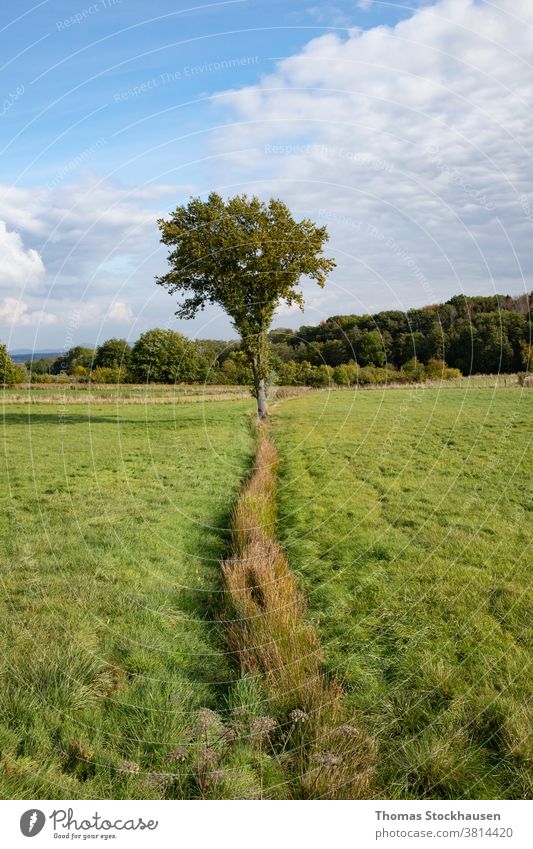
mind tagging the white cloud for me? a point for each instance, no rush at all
(120, 312)
(18, 267)
(77, 227)
(411, 142)
(96, 312)
(16, 313)
(99, 242)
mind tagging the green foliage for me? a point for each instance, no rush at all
(369, 349)
(41, 366)
(246, 256)
(77, 356)
(107, 375)
(373, 375)
(80, 373)
(526, 355)
(321, 376)
(7, 368)
(45, 378)
(438, 370)
(479, 335)
(20, 373)
(235, 368)
(414, 370)
(114, 354)
(345, 375)
(164, 356)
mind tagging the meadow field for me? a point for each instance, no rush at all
(405, 516)
(113, 525)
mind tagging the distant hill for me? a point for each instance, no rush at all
(20, 355)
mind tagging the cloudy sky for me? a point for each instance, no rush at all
(405, 127)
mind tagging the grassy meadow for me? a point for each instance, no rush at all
(113, 525)
(406, 516)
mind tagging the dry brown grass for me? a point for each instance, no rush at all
(325, 753)
(71, 393)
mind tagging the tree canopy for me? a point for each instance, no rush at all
(77, 356)
(248, 257)
(164, 356)
(7, 368)
(113, 353)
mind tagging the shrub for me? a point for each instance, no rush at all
(320, 376)
(77, 356)
(438, 369)
(35, 377)
(451, 373)
(288, 373)
(235, 369)
(80, 372)
(107, 375)
(20, 374)
(40, 366)
(345, 374)
(414, 370)
(375, 374)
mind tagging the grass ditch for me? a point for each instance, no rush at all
(310, 733)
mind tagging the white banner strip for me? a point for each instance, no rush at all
(276, 825)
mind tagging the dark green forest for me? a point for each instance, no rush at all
(465, 335)
(478, 335)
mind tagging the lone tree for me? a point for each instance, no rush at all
(247, 256)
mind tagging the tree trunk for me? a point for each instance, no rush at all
(260, 390)
(261, 399)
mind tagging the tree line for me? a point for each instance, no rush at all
(477, 335)
(468, 335)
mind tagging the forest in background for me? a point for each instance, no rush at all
(465, 335)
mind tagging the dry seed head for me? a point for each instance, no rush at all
(208, 719)
(156, 780)
(298, 715)
(177, 755)
(263, 725)
(128, 768)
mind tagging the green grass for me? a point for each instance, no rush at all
(407, 517)
(113, 525)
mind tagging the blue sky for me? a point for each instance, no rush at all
(403, 126)
(79, 63)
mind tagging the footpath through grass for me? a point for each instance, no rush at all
(113, 525)
(406, 516)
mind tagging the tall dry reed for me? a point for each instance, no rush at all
(324, 751)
